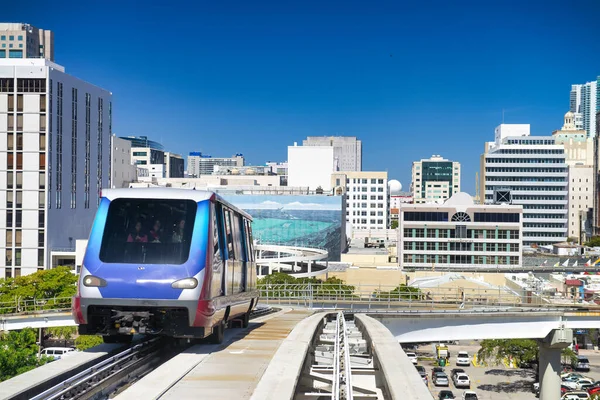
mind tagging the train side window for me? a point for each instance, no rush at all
(229, 234)
(250, 239)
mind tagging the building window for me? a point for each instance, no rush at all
(88, 144)
(18, 218)
(99, 162)
(40, 257)
(41, 219)
(17, 261)
(74, 148)
(15, 53)
(59, 144)
(40, 238)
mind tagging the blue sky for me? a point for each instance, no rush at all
(410, 80)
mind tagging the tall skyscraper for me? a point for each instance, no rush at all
(55, 144)
(347, 150)
(435, 179)
(585, 103)
(531, 171)
(19, 40)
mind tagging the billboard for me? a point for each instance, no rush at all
(296, 220)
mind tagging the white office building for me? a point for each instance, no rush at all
(435, 179)
(585, 104)
(530, 171)
(123, 172)
(310, 166)
(54, 161)
(367, 198)
(459, 234)
(202, 164)
(347, 150)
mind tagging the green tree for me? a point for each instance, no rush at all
(593, 242)
(280, 284)
(46, 285)
(62, 332)
(400, 292)
(519, 350)
(19, 353)
(394, 224)
(85, 342)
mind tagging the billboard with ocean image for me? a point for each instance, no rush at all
(296, 220)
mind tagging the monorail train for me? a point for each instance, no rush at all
(172, 262)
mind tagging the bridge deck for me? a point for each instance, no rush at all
(228, 371)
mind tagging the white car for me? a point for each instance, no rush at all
(583, 382)
(463, 358)
(462, 380)
(413, 358)
(469, 395)
(576, 396)
(57, 352)
(575, 383)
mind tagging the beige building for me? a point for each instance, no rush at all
(366, 198)
(435, 180)
(460, 235)
(579, 156)
(19, 40)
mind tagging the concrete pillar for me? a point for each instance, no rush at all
(550, 367)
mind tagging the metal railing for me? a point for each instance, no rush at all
(35, 306)
(327, 295)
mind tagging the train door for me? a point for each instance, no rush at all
(218, 283)
(238, 277)
(231, 256)
(245, 251)
(250, 267)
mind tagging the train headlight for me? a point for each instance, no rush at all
(187, 283)
(93, 281)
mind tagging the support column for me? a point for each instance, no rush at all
(550, 366)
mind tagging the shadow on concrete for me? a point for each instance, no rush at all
(523, 373)
(508, 387)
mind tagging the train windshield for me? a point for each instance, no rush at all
(148, 231)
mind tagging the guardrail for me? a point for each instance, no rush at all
(35, 306)
(327, 295)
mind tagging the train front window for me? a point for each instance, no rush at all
(148, 231)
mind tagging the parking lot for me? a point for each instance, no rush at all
(494, 382)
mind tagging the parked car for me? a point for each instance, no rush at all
(469, 395)
(582, 364)
(576, 396)
(594, 385)
(57, 352)
(422, 372)
(583, 383)
(462, 380)
(446, 394)
(575, 383)
(441, 379)
(435, 370)
(462, 358)
(457, 371)
(412, 357)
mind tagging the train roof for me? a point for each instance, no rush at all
(168, 193)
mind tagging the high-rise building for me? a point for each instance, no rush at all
(435, 179)
(19, 40)
(310, 166)
(55, 144)
(530, 171)
(367, 198)
(174, 166)
(202, 164)
(579, 156)
(152, 160)
(347, 150)
(585, 103)
(596, 211)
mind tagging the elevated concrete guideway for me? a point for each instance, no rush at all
(433, 326)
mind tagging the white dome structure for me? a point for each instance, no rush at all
(394, 187)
